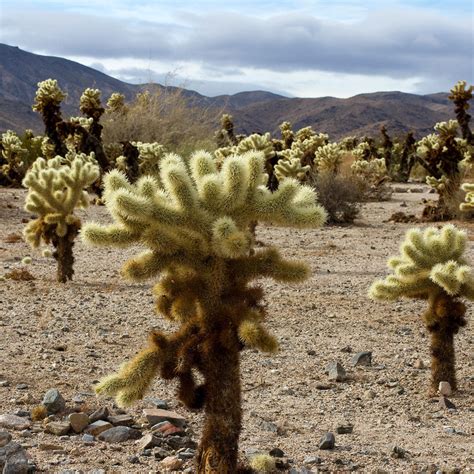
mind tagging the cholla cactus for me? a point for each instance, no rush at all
(150, 155)
(291, 169)
(287, 134)
(91, 107)
(328, 158)
(116, 103)
(226, 136)
(468, 205)
(372, 172)
(256, 142)
(439, 185)
(432, 267)
(461, 97)
(48, 103)
(194, 222)
(55, 189)
(13, 162)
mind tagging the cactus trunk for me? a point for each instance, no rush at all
(442, 359)
(63, 253)
(218, 449)
(443, 319)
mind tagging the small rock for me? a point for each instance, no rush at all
(171, 463)
(344, 429)
(22, 386)
(327, 441)
(155, 415)
(158, 403)
(78, 421)
(98, 427)
(161, 453)
(449, 430)
(347, 349)
(119, 434)
(418, 364)
(54, 401)
(336, 372)
(312, 460)
(446, 403)
(398, 453)
(58, 428)
(133, 460)
(120, 420)
(75, 452)
(148, 441)
(444, 388)
(184, 455)
(13, 422)
(276, 453)
(269, 426)
(167, 429)
(100, 414)
(87, 438)
(49, 447)
(5, 438)
(13, 459)
(362, 358)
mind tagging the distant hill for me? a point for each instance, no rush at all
(255, 111)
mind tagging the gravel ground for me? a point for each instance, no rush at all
(67, 336)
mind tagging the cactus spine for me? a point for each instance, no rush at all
(55, 189)
(432, 267)
(195, 221)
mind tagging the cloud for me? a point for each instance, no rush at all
(401, 43)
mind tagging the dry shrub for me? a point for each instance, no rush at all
(166, 115)
(19, 274)
(340, 195)
(13, 238)
(39, 412)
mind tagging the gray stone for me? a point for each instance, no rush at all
(344, 429)
(98, 427)
(13, 459)
(100, 414)
(79, 422)
(119, 434)
(148, 441)
(155, 415)
(58, 428)
(362, 358)
(276, 453)
(336, 372)
(54, 401)
(327, 441)
(120, 420)
(13, 422)
(312, 460)
(398, 453)
(161, 453)
(158, 403)
(88, 438)
(5, 438)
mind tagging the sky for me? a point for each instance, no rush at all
(304, 48)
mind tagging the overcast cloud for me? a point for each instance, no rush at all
(307, 48)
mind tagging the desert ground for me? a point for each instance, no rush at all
(67, 336)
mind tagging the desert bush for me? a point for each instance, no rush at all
(194, 222)
(431, 267)
(55, 188)
(340, 195)
(165, 116)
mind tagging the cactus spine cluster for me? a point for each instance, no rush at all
(13, 162)
(461, 96)
(194, 221)
(55, 188)
(432, 267)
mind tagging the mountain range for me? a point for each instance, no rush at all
(255, 111)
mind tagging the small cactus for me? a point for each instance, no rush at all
(55, 189)
(432, 267)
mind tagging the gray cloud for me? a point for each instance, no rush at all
(400, 43)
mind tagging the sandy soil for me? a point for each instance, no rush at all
(98, 320)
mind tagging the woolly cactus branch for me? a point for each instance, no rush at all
(194, 221)
(55, 190)
(431, 266)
